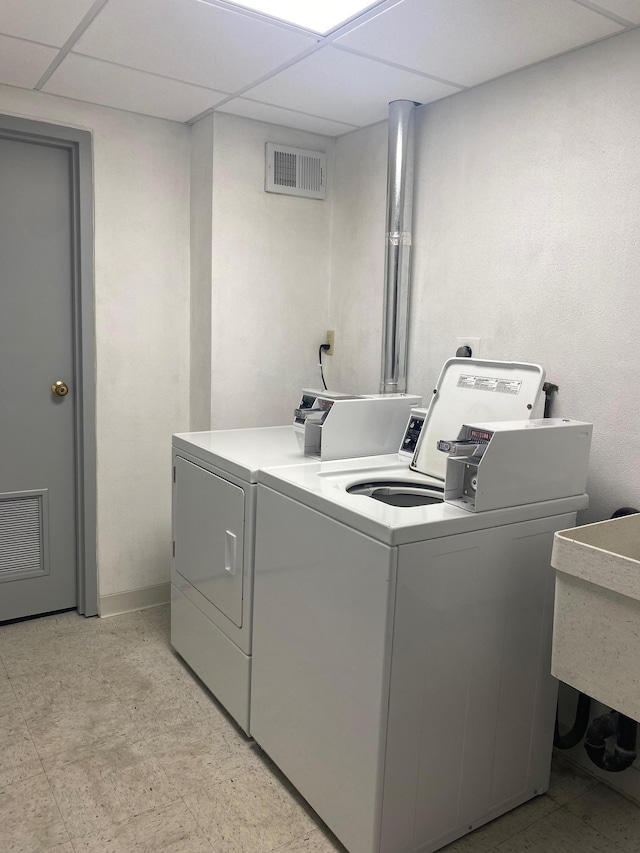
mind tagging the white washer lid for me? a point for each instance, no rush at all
(471, 390)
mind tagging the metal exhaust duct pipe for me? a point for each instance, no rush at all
(395, 324)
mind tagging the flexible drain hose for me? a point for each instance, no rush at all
(579, 728)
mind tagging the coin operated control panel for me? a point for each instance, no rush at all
(412, 433)
(510, 463)
(331, 425)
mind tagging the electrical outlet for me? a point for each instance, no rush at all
(472, 343)
(329, 340)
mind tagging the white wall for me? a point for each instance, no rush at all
(201, 257)
(270, 269)
(357, 268)
(526, 235)
(141, 186)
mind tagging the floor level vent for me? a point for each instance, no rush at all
(294, 171)
(22, 536)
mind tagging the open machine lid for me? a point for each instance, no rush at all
(472, 390)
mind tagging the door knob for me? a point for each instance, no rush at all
(60, 388)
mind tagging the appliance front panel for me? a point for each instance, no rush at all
(209, 533)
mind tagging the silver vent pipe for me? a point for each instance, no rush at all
(395, 324)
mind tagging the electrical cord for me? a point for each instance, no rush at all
(321, 348)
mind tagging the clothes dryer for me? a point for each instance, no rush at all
(213, 523)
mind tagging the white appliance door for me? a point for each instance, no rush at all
(209, 532)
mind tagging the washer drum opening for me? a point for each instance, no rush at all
(398, 492)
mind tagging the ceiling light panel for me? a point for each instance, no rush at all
(98, 82)
(41, 20)
(23, 63)
(320, 16)
(284, 118)
(470, 41)
(346, 88)
(191, 41)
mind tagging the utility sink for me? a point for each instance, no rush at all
(596, 630)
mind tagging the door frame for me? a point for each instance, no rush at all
(79, 145)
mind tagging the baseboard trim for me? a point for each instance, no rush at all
(134, 599)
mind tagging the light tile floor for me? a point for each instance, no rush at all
(108, 744)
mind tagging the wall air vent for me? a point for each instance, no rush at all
(293, 171)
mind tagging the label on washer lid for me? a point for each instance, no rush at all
(486, 383)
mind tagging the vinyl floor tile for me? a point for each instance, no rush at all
(142, 759)
(610, 814)
(558, 832)
(163, 708)
(31, 632)
(16, 745)
(130, 626)
(9, 705)
(567, 781)
(65, 650)
(313, 842)
(252, 813)
(489, 836)
(116, 783)
(160, 619)
(30, 820)
(58, 736)
(196, 756)
(155, 663)
(20, 772)
(108, 646)
(171, 829)
(60, 692)
(120, 657)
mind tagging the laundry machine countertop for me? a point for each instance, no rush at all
(243, 452)
(323, 487)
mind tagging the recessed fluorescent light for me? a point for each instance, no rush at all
(319, 16)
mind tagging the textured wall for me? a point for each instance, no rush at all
(201, 237)
(141, 187)
(357, 270)
(526, 235)
(271, 263)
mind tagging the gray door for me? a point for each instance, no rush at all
(38, 537)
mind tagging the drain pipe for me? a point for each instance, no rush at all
(612, 725)
(395, 328)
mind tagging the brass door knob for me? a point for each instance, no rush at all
(60, 388)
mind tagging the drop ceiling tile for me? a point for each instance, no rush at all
(42, 20)
(191, 41)
(22, 63)
(347, 88)
(100, 82)
(285, 118)
(471, 41)
(627, 9)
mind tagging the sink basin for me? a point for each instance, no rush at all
(596, 631)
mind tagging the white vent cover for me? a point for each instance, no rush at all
(293, 171)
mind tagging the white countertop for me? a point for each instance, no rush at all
(322, 486)
(243, 452)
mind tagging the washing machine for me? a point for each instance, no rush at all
(401, 671)
(213, 524)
